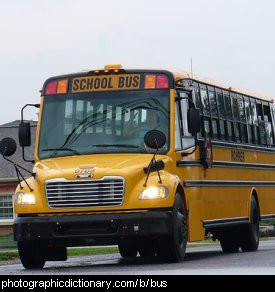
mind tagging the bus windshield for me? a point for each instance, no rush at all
(102, 122)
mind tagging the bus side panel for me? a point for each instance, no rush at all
(195, 225)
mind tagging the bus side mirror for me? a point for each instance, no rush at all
(155, 139)
(24, 134)
(194, 121)
(7, 147)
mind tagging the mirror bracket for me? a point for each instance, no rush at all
(154, 139)
(8, 148)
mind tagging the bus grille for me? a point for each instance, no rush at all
(82, 194)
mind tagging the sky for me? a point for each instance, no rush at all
(229, 41)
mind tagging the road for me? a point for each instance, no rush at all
(203, 260)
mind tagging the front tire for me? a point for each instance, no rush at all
(173, 247)
(147, 249)
(127, 250)
(32, 254)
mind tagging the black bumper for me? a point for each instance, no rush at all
(93, 229)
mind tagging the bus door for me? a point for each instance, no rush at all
(189, 168)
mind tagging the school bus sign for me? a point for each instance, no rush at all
(103, 83)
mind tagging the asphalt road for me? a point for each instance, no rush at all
(204, 260)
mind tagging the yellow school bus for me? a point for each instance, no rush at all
(147, 160)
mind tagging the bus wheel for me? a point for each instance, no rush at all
(127, 250)
(229, 242)
(32, 254)
(251, 232)
(173, 247)
(148, 250)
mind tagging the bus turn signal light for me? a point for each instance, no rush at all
(150, 81)
(62, 86)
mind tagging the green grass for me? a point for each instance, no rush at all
(7, 240)
(7, 255)
(91, 251)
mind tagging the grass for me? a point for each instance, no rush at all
(7, 255)
(7, 240)
(92, 251)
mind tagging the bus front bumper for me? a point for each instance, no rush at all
(93, 229)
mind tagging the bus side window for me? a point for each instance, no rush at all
(198, 104)
(236, 116)
(222, 116)
(229, 116)
(248, 114)
(206, 111)
(214, 113)
(263, 140)
(243, 125)
(268, 125)
(205, 101)
(255, 132)
(197, 99)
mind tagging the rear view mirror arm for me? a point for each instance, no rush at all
(155, 140)
(19, 173)
(153, 160)
(8, 148)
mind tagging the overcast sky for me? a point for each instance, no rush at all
(230, 41)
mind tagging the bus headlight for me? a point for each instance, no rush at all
(25, 199)
(152, 193)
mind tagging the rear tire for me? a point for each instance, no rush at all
(251, 232)
(32, 254)
(229, 242)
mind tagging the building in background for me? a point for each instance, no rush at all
(8, 177)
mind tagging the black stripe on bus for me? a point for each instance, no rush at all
(229, 183)
(225, 222)
(228, 164)
(268, 217)
(189, 163)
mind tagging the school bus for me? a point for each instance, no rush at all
(147, 160)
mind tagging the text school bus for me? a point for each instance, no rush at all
(147, 160)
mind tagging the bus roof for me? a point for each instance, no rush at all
(181, 75)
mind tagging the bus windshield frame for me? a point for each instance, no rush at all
(102, 122)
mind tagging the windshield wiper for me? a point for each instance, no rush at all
(121, 145)
(61, 149)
